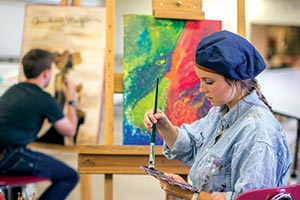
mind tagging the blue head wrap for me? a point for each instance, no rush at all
(230, 55)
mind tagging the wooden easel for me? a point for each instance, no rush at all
(73, 2)
(114, 82)
(94, 159)
(241, 18)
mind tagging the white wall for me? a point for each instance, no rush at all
(11, 23)
(258, 11)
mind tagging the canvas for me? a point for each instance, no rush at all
(162, 48)
(76, 37)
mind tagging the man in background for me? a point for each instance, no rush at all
(23, 108)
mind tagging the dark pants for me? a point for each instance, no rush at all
(23, 161)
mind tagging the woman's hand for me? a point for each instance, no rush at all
(159, 118)
(176, 178)
(175, 190)
(164, 127)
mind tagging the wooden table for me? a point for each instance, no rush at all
(281, 88)
(121, 159)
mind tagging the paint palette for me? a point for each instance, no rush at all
(161, 176)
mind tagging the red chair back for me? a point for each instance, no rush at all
(288, 192)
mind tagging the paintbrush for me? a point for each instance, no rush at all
(153, 133)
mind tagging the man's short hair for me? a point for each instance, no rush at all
(36, 61)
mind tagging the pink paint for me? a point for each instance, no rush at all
(181, 105)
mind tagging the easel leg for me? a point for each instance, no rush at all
(294, 174)
(108, 187)
(85, 184)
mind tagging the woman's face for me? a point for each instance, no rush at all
(216, 89)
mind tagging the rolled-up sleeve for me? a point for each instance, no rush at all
(189, 140)
(180, 147)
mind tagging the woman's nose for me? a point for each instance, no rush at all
(202, 88)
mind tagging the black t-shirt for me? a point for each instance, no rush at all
(23, 108)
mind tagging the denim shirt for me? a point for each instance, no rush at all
(252, 152)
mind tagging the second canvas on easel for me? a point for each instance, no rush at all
(76, 37)
(161, 48)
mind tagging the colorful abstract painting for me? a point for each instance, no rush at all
(161, 48)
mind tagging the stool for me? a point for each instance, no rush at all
(10, 182)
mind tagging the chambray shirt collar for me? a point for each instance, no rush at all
(228, 118)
